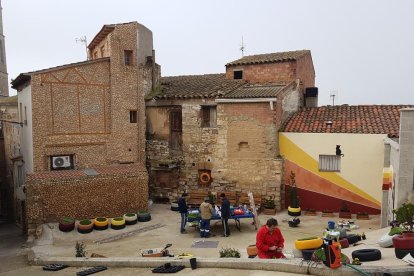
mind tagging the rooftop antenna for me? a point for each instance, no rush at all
(333, 95)
(242, 47)
(83, 40)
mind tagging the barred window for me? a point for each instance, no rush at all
(329, 163)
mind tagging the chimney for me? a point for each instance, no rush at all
(311, 97)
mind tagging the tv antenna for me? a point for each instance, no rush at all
(333, 94)
(83, 40)
(242, 47)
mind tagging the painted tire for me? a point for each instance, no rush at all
(352, 238)
(385, 241)
(344, 243)
(308, 244)
(130, 220)
(67, 226)
(403, 243)
(118, 223)
(144, 217)
(205, 178)
(294, 212)
(401, 253)
(84, 227)
(307, 254)
(101, 223)
(367, 255)
(342, 233)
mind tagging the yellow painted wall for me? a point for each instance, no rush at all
(361, 167)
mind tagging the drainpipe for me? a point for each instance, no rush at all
(153, 70)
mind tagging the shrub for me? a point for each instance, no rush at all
(85, 222)
(67, 220)
(129, 214)
(229, 253)
(101, 219)
(405, 216)
(80, 249)
(119, 218)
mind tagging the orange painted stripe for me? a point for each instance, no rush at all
(307, 180)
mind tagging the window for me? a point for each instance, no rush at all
(102, 51)
(176, 130)
(208, 116)
(238, 75)
(128, 57)
(329, 163)
(95, 55)
(132, 116)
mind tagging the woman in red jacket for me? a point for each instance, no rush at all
(270, 241)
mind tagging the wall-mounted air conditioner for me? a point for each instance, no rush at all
(61, 162)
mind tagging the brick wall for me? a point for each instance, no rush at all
(305, 71)
(57, 194)
(268, 72)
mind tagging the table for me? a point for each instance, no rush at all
(236, 218)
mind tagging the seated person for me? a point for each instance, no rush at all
(270, 241)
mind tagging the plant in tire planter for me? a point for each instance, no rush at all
(293, 208)
(143, 216)
(269, 206)
(362, 215)
(66, 224)
(130, 218)
(344, 212)
(101, 223)
(118, 223)
(404, 244)
(85, 226)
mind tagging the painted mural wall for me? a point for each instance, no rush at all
(359, 181)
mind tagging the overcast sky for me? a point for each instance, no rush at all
(362, 50)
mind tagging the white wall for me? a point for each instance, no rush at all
(25, 99)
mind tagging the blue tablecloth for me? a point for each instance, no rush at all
(235, 217)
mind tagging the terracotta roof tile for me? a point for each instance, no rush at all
(269, 58)
(363, 119)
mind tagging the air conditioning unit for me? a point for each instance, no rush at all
(60, 162)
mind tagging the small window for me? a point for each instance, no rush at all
(238, 75)
(128, 57)
(95, 55)
(132, 116)
(102, 51)
(329, 163)
(208, 116)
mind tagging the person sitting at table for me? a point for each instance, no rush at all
(270, 241)
(225, 214)
(206, 212)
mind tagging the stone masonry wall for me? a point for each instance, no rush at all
(53, 195)
(269, 72)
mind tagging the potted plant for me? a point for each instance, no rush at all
(269, 206)
(101, 223)
(229, 253)
(310, 212)
(130, 218)
(66, 224)
(85, 226)
(344, 212)
(404, 243)
(362, 215)
(143, 216)
(293, 208)
(118, 223)
(327, 213)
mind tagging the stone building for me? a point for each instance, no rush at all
(9, 159)
(83, 135)
(219, 132)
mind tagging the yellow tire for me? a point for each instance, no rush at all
(101, 222)
(308, 243)
(294, 210)
(118, 221)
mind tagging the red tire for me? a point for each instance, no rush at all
(403, 243)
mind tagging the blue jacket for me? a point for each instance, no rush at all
(182, 205)
(225, 208)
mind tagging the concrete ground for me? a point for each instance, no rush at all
(165, 223)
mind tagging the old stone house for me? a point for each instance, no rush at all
(350, 154)
(219, 132)
(83, 135)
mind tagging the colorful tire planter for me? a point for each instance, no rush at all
(101, 223)
(118, 223)
(66, 224)
(143, 216)
(130, 218)
(403, 244)
(85, 226)
(295, 212)
(308, 243)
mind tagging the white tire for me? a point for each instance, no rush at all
(385, 241)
